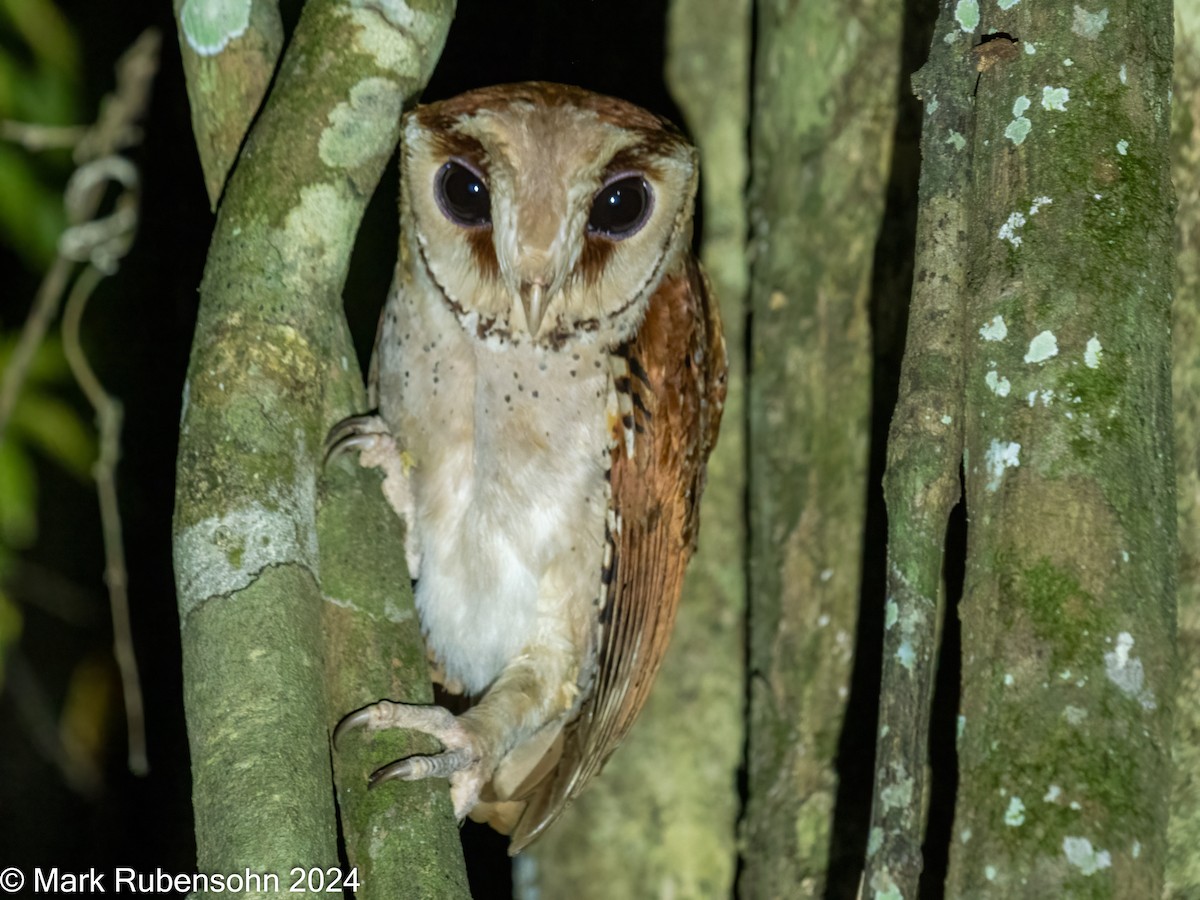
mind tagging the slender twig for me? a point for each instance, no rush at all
(45, 308)
(108, 419)
(34, 136)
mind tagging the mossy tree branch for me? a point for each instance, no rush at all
(824, 97)
(1068, 609)
(229, 50)
(921, 484)
(269, 373)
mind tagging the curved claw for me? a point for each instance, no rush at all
(360, 718)
(354, 432)
(414, 768)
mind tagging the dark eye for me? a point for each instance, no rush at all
(621, 208)
(463, 196)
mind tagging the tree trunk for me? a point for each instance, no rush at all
(1183, 862)
(825, 91)
(661, 819)
(921, 484)
(270, 371)
(1068, 608)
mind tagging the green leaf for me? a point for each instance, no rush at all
(46, 31)
(31, 215)
(18, 497)
(57, 430)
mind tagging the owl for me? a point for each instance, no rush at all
(549, 375)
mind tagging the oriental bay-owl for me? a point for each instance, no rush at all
(549, 375)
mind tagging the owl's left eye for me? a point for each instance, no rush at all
(621, 208)
(462, 195)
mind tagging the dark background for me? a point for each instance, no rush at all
(138, 332)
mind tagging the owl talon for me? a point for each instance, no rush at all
(362, 433)
(461, 761)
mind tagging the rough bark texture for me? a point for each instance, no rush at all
(256, 411)
(1068, 608)
(1183, 863)
(402, 839)
(922, 484)
(229, 50)
(825, 91)
(660, 821)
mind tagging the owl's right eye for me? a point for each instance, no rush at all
(462, 195)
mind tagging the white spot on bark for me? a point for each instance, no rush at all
(1123, 147)
(960, 727)
(1075, 715)
(998, 384)
(395, 48)
(1038, 203)
(1018, 128)
(1136, 850)
(1093, 352)
(966, 13)
(946, 420)
(906, 655)
(989, 872)
(965, 835)
(1008, 231)
(1001, 455)
(1081, 854)
(822, 620)
(1088, 24)
(995, 330)
(1123, 74)
(1007, 4)
(1127, 672)
(826, 574)
(1055, 98)
(1042, 348)
(362, 128)
(875, 841)
(898, 794)
(891, 614)
(1030, 48)
(209, 25)
(1009, 681)
(1015, 814)
(957, 140)
(1052, 793)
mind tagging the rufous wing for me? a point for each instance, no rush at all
(673, 396)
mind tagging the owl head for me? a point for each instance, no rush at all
(544, 213)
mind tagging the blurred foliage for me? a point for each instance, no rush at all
(42, 422)
(39, 83)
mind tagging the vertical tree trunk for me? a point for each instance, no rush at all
(661, 819)
(1183, 863)
(921, 484)
(1068, 608)
(825, 90)
(256, 409)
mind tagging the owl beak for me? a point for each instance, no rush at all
(533, 299)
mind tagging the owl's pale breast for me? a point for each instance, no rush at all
(509, 495)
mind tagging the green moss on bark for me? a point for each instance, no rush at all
(1067, 614)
